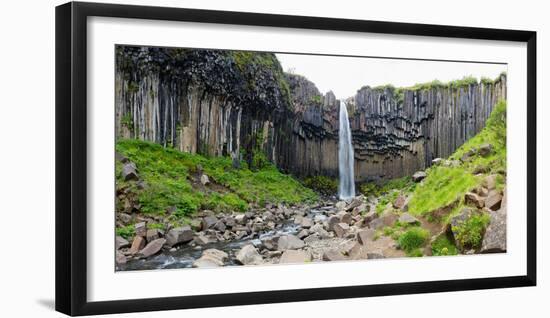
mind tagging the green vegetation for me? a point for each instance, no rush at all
(402, 184)
(442, 246)
(127, 121)
(171, 179)
(322, 184)
(469, 233)
(126, 232)
(413, 239)
(446, 184)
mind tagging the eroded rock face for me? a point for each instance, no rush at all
(202, 101)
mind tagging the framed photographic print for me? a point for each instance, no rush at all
(209, 158)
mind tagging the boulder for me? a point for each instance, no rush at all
(341, 229)
(241, 219)
(196, 224)
(344, 217)
(493, 200)
(248, 255)
(399, 202)
(307, 223)
(289, 242)
(419, 176)
(152, 248)
(140, 229)
(206, 262)
(179, 235)
(230, 221)
(129, 172)
(473, 199)
(340, 205)
(360, 209)
(482, 191)
(494, 240)
(302, 234)
(333, 255)
(220, 226)
(365, 236)
(121, 242)
(320, 231)
(216, 254)
(406, 218)
(211, 258)
(201, 239)
(137, 244)
(485, 150)
(437, 161)
(355, 202)
(208, 222)
(312, 238)
(332, 221)
(204, 179)
(120, 258)
(295, 256)
(152, 234)
(369, 217)
(490, 182)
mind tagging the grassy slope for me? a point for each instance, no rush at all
(445, 185)
(171, 181)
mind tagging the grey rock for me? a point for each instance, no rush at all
(152, 248)
(408, 219)
(179, 235)
(120, 258)
(307, 223)
(129, 172)
(152, 234)
(248, 255)
(473, 199)
(208, 222)
(140, 229)
(137, 244)
(365, 236)
(295, 257)
(289, 242)
(204, 179)
(485, 150)
(493, 200)
(121, 242)
(341, 229)
(494, 240)
(419, 176)
(333, 255)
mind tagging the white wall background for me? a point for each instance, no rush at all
(27, 158)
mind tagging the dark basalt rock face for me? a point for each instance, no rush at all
(226, 103)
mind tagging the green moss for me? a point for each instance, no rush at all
(404, 184)
(417, 252)
(469, 233)
(126, 232)
(168, 175)
(442, 246)
(322, 184)
(413, 238)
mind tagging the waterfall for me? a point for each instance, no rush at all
(346, 188)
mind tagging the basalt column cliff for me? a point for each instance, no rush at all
(241, 104)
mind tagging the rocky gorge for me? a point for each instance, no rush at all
(231, 103)
(218, 152)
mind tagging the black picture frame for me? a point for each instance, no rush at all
(71, 157)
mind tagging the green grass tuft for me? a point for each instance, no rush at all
(322, 184)
(413, 238)
(442, 246)
(469, 233)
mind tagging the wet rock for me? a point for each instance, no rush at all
(179, 235)
(152, 248)
(248, 255)
(140, 229)
(406, 218)
(208, 222)
(289, 242)
(129, 172)
(493, 200)
(473, 199)
(204, 179)
(295, 257)
(137, 244)
(365, 236)
(485, 150)
(419, 176)
(211, 258)
(333, 255)
(341, 229)
(121, 242)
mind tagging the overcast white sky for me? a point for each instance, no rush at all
(345, 75)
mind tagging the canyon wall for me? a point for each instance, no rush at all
(241, 104)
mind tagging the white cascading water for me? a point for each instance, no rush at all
(346, 188)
